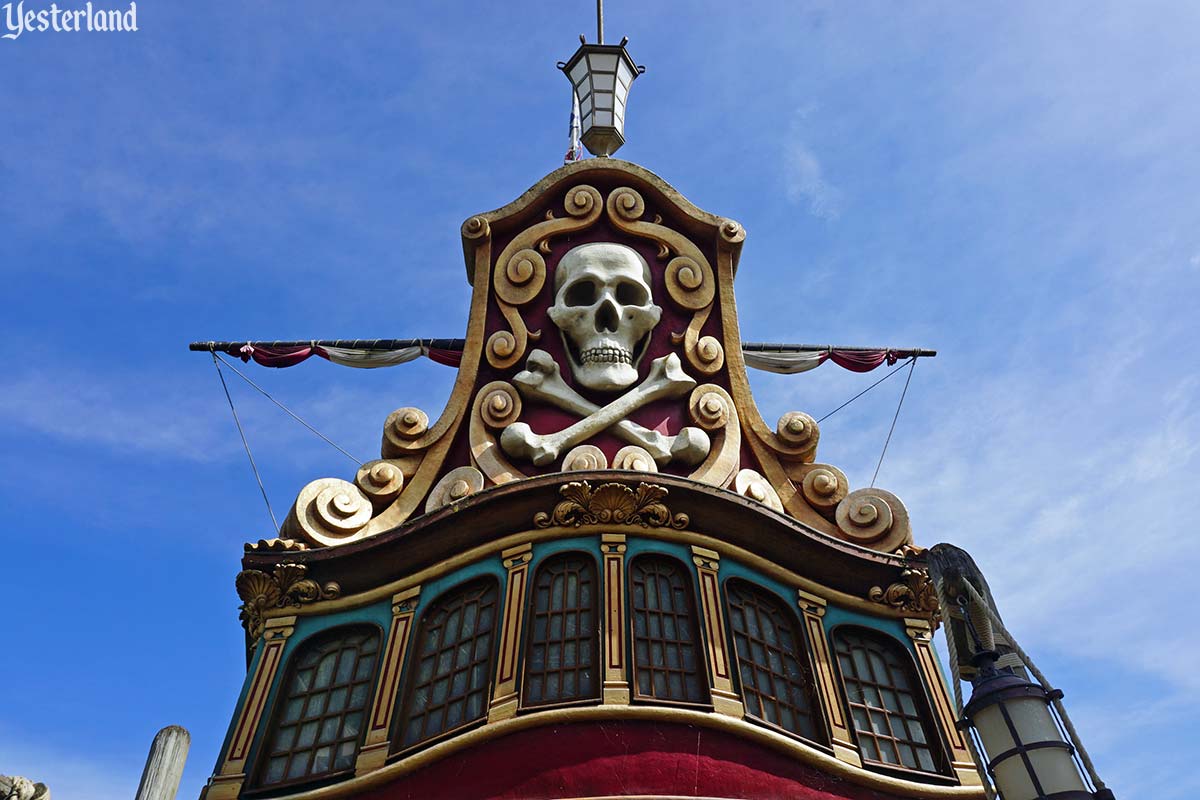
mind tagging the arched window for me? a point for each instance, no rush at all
(666, 640)
(560, 660)
(887, 706)
(318, 717)
(451, 670)
(772, 661)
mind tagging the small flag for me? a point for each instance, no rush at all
(575, 151)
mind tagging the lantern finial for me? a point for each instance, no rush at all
(600, 76)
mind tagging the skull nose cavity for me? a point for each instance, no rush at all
(608, 317)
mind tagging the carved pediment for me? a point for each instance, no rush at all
(602, 335)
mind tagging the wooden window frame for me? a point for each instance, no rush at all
(920, 695)
(799, 653)
(414, 656)
(265, 754)
(592, 694)
(697, 642)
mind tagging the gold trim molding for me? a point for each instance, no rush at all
(285, 586)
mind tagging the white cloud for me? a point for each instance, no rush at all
(804, 175)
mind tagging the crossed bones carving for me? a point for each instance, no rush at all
(542, 380)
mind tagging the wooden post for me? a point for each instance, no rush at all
(164, 765)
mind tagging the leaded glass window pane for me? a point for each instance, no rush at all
(451, 673)
(666, 640)
(319, 711)
(561, 653)
(888, 709)
(772, 662)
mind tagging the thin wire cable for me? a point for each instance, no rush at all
(245, 443)
(864, 391)
(896, 416)
(289, 412)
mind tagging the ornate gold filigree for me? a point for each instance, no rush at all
(520, 272)
(713, 409)
(496, 406)
(286, 585)
(914, 593)
(329, 511)
(689, 276)
(583, 458)
(873, 518)
(611, 504)
(455, 485)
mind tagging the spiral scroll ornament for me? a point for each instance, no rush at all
(380, 480)
(711, 408)
(635, 459)
(874, 518)
(584, 457)
(404, 431)
(750, 483)
(455, 485)
(476, 228)
(824, 487)
(519, 274)
(797, 434)
(499, 405)
(329, 511)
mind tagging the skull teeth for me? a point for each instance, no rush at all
(606, 355)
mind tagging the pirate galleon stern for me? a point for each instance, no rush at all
(600, 572)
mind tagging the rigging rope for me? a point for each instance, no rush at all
(913, 365)
(1041, 679)
(864, 391)
(245, 444)
(288, 411)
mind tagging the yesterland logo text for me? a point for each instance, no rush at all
(18, 20)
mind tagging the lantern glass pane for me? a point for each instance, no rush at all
(585, 105)
(603, 118)
(624, 73)
(603, 62)
(579, 72)
(1033, 720)
(1056, 770)
(603, 81)
(993, 730)
(1013, 779)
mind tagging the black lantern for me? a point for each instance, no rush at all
(1028, 758)
(601, 75)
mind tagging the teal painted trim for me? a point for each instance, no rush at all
(731, 568)
(637, 546)
(578, 544)
(836, 615)
(255, 657)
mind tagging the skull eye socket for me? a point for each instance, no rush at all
(632, 294)
(580, 294)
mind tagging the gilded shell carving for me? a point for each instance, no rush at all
(611, 504)
(914, 593)
(286, 585)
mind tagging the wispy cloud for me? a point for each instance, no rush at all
(67, 774)
(804, 176)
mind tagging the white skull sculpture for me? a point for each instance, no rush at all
(603, 307)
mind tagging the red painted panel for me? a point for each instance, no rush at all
(620, 758)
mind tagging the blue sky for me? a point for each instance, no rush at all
(1013, 184)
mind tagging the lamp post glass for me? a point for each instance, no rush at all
(1027, 755)
(601, 75)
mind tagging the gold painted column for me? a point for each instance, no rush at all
(921, 632)
(844, 746)
(374, 751)
(616, 683)
(227, 783)
(725, 701)
(504, 695)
